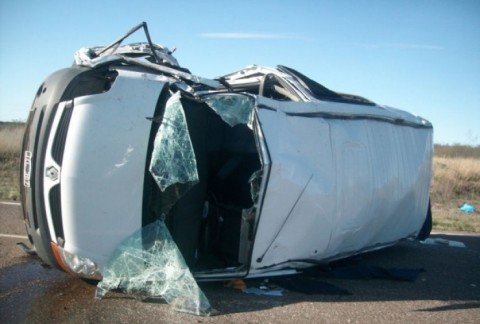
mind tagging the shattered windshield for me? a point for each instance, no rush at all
(154, 262)
(148, 264)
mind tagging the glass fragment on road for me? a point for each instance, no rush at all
(148, 264)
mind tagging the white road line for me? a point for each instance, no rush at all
(14, 236)
(10, 203)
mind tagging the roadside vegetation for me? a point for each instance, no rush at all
(456, 179)
(10, 147)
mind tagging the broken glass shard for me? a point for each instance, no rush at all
(234, 109)
(148, 264)
(173, 159)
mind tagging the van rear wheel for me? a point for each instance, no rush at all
(427, 225)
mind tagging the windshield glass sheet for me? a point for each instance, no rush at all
(148, 264)
(173, 164)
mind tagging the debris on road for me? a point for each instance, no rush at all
(441, 241)
(467, 208)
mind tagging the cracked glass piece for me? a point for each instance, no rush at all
(234, 109)
(173, 162)
(148, 264)
(255, 183)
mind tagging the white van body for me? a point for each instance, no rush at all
(333, 176)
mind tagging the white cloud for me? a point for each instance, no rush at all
(405, 46)
(251, 36)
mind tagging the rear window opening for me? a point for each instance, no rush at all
(322, 93)
(273, 86)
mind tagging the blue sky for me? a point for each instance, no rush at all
(421, 56)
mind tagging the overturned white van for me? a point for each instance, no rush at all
(259, 172)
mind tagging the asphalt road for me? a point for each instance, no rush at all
(448, 291)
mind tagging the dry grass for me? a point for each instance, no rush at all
(11, 137)
(447, 217)
(10, 147)
(455, 180)
(457, 151)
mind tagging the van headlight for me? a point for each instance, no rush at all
(82, 266)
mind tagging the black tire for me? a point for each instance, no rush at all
(427, 225)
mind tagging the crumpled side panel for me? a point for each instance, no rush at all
(173, 159)
(234, 109)
(148, 264)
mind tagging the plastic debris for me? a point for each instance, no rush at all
(467, 208)
(147, 265)
(264, 288)
(441, 241)
(263, 292)
(235, 284)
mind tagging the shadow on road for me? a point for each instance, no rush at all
(451, 275)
